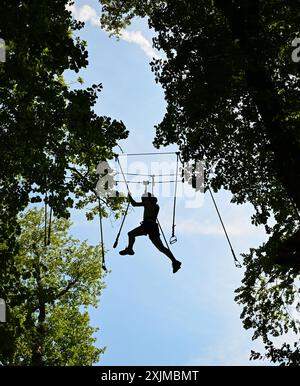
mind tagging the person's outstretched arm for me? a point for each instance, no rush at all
(133, 202)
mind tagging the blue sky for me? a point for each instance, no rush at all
(147, 315)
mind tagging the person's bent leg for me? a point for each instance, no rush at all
(166, 251)
(139, 231)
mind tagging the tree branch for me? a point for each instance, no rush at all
(70, 284)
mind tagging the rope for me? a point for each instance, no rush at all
(142, 154)
(118, 235)
(173, 238)
(296, 209)
(153, 183)
(162, 232)
(49, 228)
(47, 233)
(117, 158)
(101, 236)
(150, 182)
(148, 175)
(45, 220)
(236, 262)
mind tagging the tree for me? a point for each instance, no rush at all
(51, 140)
(49, 291)
(232, 94)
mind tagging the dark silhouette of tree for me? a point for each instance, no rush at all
(48, 130)
(51, 141)
(232, 92)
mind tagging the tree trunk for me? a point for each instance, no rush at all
(38, 349)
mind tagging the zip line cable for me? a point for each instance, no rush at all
(236, 262)
(148, 182)
(142, 154)
(148, 175)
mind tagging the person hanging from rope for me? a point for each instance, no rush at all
(149, 227)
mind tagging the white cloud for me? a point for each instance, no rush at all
(138, 38)
(88, 14)
(205, 221)
(234, 228)
(237, 226)
(235, 349)
(231, 351)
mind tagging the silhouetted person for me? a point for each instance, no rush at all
(149, 227)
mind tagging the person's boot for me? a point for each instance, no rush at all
(176, 265)
(127, 251)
